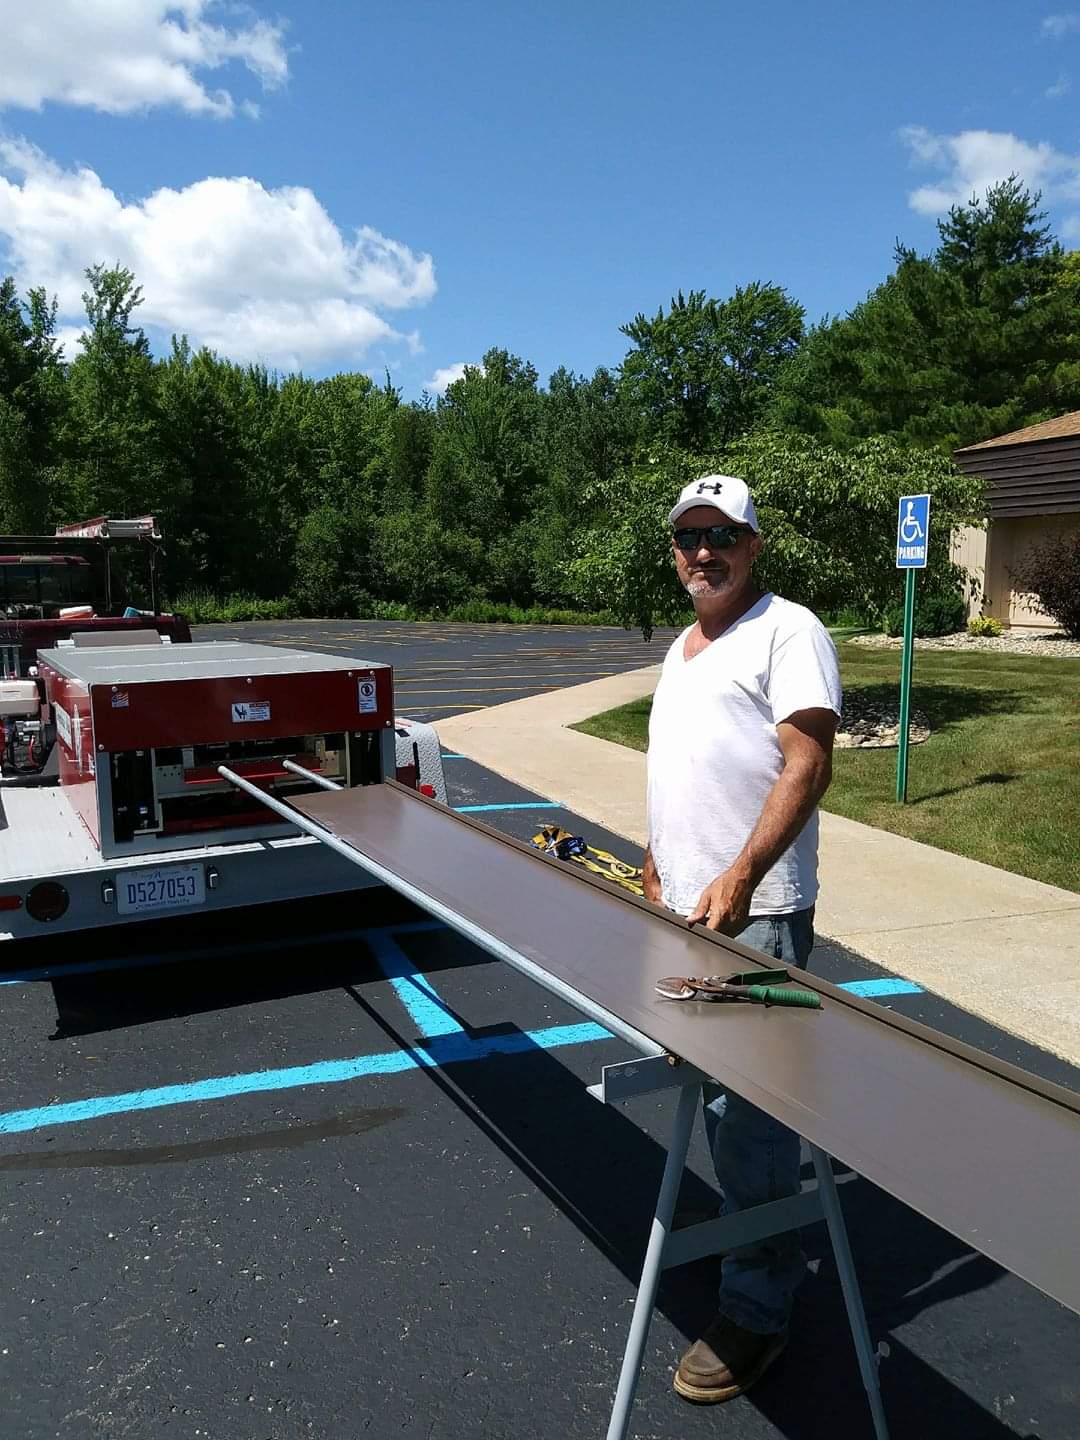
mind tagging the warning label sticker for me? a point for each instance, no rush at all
(119, 700)
(367, 698)
(245, 711)
(62, 721)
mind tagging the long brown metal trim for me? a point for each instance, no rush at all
(982, 1148)
(808, 980)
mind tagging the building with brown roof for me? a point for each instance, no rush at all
(1033, 493)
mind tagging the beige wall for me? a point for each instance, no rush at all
(990, 554)
(969, 550)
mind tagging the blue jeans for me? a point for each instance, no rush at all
(757, 1160)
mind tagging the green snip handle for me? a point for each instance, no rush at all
(781, 995)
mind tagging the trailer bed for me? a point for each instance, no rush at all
(41, 838)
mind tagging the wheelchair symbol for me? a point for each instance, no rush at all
(910, 529)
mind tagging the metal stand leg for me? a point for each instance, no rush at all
(849, 1284)
(777, 1217)
(654, 1257)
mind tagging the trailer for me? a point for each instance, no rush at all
(53, 588)
(140, 825)
(56, 586)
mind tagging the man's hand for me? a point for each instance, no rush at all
(725, 904)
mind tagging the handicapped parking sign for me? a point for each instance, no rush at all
(912, 532)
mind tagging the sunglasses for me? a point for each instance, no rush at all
(716, 537)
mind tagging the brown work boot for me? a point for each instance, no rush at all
(725, 1362)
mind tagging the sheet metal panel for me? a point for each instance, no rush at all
(985, 1150)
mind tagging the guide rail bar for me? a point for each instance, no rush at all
(476, 933)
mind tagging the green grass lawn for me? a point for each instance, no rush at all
(999, 778)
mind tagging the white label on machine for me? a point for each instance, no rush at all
(120, 700)
(173, 887)
(63, 724)
(369, 702)
(244, 711)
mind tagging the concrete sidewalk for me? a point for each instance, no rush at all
(967, 931)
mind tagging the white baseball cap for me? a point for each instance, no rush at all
(726, 493)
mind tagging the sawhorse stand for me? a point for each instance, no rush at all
(667, 1249)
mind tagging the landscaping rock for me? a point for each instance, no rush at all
(1058, 646)
(871, 724)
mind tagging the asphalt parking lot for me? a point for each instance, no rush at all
(442, 670)
(329, 1171)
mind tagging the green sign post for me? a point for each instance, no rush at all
(912, 545)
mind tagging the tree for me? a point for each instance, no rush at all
(331, 560)
(410, 437)
(485, 470)
(426, 562)
(621, 561)
(828, 520)
(828, 516)
(112, 462)
(588, 434)
(704, 372)
(345, 431)
(980, 338)
(31, 407)
(981, 242)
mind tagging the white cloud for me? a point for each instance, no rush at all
(444, 377)
(1055, 27)
(256, 274)
(67, 337)
(125, 55)
(1060, 87)
(975, 159)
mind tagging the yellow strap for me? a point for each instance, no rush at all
(599, 862)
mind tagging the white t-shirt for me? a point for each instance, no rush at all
(714, 754)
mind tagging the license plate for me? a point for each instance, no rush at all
(173, 887)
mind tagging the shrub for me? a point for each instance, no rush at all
(494, 612)
(389, 610)
(848, 617)
(202, 607)
(1051, 572)
(941, 614)
(984, 625)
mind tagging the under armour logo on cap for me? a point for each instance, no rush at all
(707, 490)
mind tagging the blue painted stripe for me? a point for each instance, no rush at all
(443, 1050)
(527, 805)
(426, 1010)
(874, 989)
(454, 757)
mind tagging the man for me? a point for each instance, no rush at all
(740, 753)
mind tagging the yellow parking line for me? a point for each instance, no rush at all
(473, 689)
(427, 679)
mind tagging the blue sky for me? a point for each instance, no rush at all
(352, 186)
